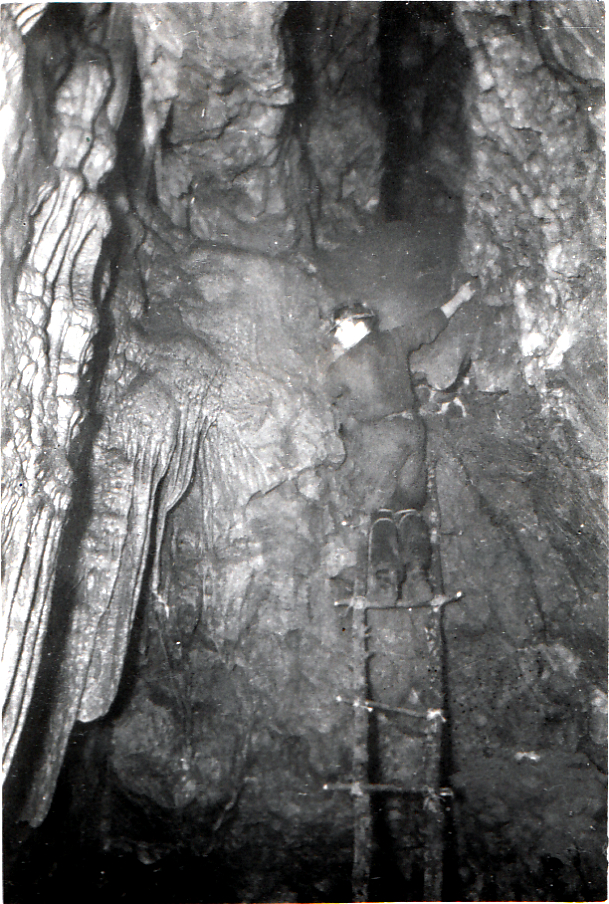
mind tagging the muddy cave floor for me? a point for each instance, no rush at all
(398, 268)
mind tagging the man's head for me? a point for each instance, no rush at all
(352, 323)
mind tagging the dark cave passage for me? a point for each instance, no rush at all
(419, 90)
(424, 68)
(192, 191)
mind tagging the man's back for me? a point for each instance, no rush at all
(372, 380)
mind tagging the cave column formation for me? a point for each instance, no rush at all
(51, 319)
(180, 511)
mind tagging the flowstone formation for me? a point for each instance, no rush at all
(189, 191)
(54, 224)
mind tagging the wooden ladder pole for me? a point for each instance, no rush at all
(362, 812)
(434, 806)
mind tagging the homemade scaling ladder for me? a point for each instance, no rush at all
(360, 787)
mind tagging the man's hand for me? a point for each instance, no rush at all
(464, 294)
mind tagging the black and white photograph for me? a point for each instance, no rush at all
(304, 452)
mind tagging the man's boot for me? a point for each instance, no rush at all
(415, 547)
(383, 560)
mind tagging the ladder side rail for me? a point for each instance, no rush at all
(362, 812)
(434, 806)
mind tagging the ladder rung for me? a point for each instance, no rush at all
(362, 602)
(370, 705)
(360, 788)
(404, 710)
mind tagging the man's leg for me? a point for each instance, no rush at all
(416, 551)
(384, 572)
(413, 533)
(411, 489)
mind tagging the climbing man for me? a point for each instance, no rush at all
(370, 383)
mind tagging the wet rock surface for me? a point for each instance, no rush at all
(194, 656)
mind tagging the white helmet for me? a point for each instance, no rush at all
(352, 323)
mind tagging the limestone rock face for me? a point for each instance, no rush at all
(215, 83)
(238, 609)
(575, 37)
(539, 224)
(534, 227)
(524, 662)
(346, 149)
(557, 822)
(346, 135)
(50, 319)
(424, 68)
(176, 484)
(541, 317)
(333, 53)
(215, 393)
(517, 428)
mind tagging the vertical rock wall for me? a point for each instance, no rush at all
(536, 185)
(232, 710)
(229, 65)
(534, 231)
(519, 445)
(215, 89)
(54, 223)
(424, 68)
(333, 55)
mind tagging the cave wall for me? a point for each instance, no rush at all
(424, 69)
(215, 492)
(264, 421)
(534, 233)
(538, 222)
(215, 89)
(333, 53)
(520, 449)
(244, 150)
